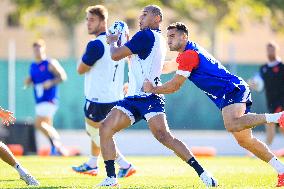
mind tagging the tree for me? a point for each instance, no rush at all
(276, 9)
(211, 15)
(68, 12)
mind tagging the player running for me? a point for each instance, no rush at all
(45, 75)
(147, 49)
(229, 92)
(103, 88)
(271, 78)
(7, 156)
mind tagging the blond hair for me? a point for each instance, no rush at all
(98, 10)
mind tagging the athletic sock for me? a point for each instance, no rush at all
(122, 162)
(277, 165)
(51, 142)
(110, 169)
(195, 165)
(273, 118)
(20, 169)
(93, 161)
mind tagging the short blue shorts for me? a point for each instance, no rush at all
(241, 94)
(137, 108)
(97, 111)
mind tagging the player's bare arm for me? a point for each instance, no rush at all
(58, 71)
(169, 87)
(7, 117)
(170, 66)
(117, 53)
(83, 68)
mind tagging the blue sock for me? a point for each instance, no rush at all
(195, 165)
(110, 169)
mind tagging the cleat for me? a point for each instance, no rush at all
(208, 179)
(126, 172)
(280, 180)
(29, 179)
(86, 169)
(281, 120)
(109, 181)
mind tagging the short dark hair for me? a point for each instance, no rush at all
(39, 42)
(273, 44)
(179, 26)
(98, 10)
(156, 10)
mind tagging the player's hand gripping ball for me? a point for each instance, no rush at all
(120, 28)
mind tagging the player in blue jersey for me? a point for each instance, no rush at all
(6, 155)
(103, 88)
(229, 92)
(147, 50)
(45, 74)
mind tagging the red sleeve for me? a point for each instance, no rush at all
(188, 60)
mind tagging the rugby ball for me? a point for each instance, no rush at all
(121, 28)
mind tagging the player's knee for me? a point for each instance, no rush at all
(163, 137)
(93, 133)
(245, 142)
(233, 127)
(105, 130)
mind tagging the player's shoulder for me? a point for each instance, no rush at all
(281, 63)
(95, 43)
(264, 66)
(146, 33)
(53, 62)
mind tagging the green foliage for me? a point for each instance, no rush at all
(276, 8)
(69, 12)
(210, 15)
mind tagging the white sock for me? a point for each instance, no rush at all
(273, 118)
(93, 161)
(121, 161)
(20, 169)
(277, 165)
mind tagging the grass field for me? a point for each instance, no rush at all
(152, 172)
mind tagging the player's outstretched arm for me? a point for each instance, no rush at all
(169, 87)
(170, 66)
(58, 71)
(7, 117)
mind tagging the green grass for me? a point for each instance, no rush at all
(152, 172)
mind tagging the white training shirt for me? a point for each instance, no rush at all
(104, 81)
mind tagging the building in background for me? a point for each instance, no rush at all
(245, 46)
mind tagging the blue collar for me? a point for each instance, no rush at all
(157, 30)
(103, 33)
(187, 46)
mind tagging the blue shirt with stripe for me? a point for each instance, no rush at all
(211, 76)
(40, 73)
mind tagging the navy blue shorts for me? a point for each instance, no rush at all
(241, 94)
(97, 111)
(137, 108)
